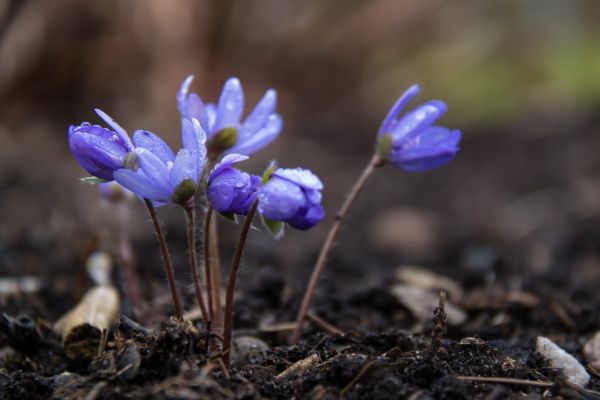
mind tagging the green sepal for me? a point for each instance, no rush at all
(230, 216)
(92, 180)
(184, 192)
(384, 146)
(223, 140)
(275, 227)
(269, 171)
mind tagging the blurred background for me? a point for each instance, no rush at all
(521, 79)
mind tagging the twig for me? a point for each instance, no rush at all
(375, 162)
(358, 376)
(326, 326)
(235, 264)
(207, 274)
(508, 381)
(164, 250)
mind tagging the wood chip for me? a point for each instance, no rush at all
(300, 366)
(421, 303)
(423, 278)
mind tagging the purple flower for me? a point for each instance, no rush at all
(231, 191)
(162, 176)
(100, 151)
(292, 196)
(222, 122)
(412, 142)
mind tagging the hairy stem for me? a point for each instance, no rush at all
(190, 214)
(214, 265)
(207, 269)
(160, 236)
(375, 162)
(235, 264)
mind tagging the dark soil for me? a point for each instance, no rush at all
(384, 351)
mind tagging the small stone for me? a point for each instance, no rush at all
(572, 369)
(247, 350)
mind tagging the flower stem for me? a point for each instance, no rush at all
(207, 271)
(126, 253)
(190, 214)
(215, 264)
(160, 236)
(235, 264)
(375, 162)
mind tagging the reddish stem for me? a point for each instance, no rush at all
(375, 162)
(190, 214)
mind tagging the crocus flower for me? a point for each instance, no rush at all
(412, 142)
(161, 176)
(292, 196)
(100, 151)
(223, 122)
(231, 191)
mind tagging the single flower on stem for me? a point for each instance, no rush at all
(222, 122)
(411, 142)
(164, 178)
(291, 196)
(231, 191)
(100, 151)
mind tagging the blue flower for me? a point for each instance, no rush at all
(100, 151)
(412, 142)
(222, 122)
(292, 196)
(161, 176)
(231, 191)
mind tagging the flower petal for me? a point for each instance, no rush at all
(313, 216)
(259, 116)
(420, 118)
(155, 169)
(300, 176)
(230, 106)
(406, 97)
(211, 117)
(193, 138)
(141, 185)
(261, 138)
(184, 168)
(280, 199)
(154, 144)
(422, 159)
(116, 127)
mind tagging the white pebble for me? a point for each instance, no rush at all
(572, 369)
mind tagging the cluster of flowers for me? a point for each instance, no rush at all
(148, 167)
(215, 135)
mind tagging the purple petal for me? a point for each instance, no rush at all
(420, 118)
(406, 97)
(313, 216)
(280, 199)
(220, 196)
(259, 116)
(184, 168)
(141, 185)
(182, 95)
(116, 127)
(226, 162)
(437, 136)
(230, 106)
(211, 117)
(98, 150)
(154, 144)
(261, 138)
(302, 177)
(193, 138)
(154, 168)
(422, 159)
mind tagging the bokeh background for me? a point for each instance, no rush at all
(521, 78)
